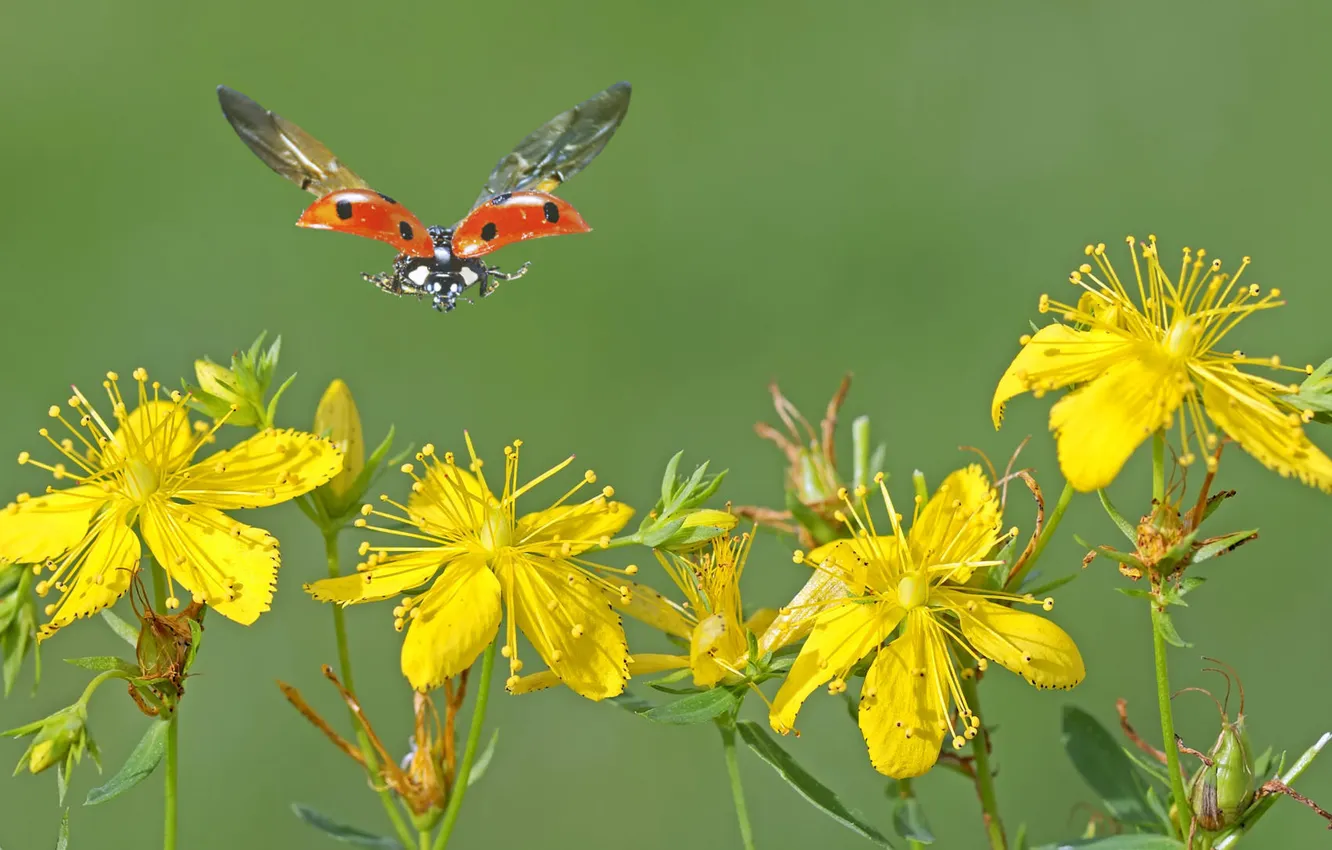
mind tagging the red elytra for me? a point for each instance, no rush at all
(363, 212)
(514, 217)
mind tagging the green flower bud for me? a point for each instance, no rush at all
(239, 393)
(699, 527)
(1221, 792)
(677, 521)
(337, 418)
(60, 738)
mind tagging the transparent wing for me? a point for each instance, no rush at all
(286, 148)
(560, 148)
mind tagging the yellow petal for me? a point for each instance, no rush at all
(268, 468)
(715, 644)
(960, 523)
(796, 620)
(452, 502)
(759, 621)
(587, 523)
(103, 573)
(1028, 644)
(1099, 425)
(1056, 356)
(901, 716)
(1250, 418)
(44, 526)
(648, 606)
(862, 562)
(569, 622)
(388, 578)
(156, 433)
(842, 636)
(639, 665)
(230, 565)
(452, 623)
(336, 417)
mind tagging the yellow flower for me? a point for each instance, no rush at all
(712, 618)
(141, 475)
(1138, 362)
(490, 560)
(919, 581)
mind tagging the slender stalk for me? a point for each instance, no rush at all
(345, 670)
(737, 790)
(906, 793)
(169, 818)
(980, 749)
(424, 843)
(1158, 466)
(469, 753)
(1167, 716)
(1015, 580)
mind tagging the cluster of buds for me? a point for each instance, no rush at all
(678, 522)
(240, 393)
(812, 477)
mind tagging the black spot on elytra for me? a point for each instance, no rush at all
(344, 210)
(406, 230)
(490, 231)
(551, 211)
(386, 197)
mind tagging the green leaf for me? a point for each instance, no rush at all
(1262, 766)
(1143, 841)
(1316, 393)
(1113, 554)
(482, 762)
(1053, 584)
(1103, 765)
(1218, 547)
(1135, 592)
(127, 633)
(1125, 527)
(818, 794)
(819, 528)
(141, 762)
(1168, 633)
(630, 703)
(101, 663)
(15, 645)
(909, 821)
(668, 477)
(345, 834)
(1020, 843)
(695, 708)
(62, 837)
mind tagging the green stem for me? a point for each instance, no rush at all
(1167, 716)
(1158, 466)
(469, 753)
(980, 749)
(169, 819)
(906, 792)
(737, 790)
(424, 843)
(345, 670)
(1015, 580)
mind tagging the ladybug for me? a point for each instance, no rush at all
(441, 263)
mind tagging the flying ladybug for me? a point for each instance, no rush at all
(441, 263)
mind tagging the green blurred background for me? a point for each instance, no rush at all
(800, 189)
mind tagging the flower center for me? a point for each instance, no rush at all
(1181, 338)
(912, 591)
(495, 533)
(141, 479)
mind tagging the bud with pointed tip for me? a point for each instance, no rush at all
(338, 419)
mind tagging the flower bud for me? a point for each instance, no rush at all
(219, 391)
(1222, 791)
(337, 418)
(59, 738)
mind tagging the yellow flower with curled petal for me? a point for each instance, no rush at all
(919, 581)
(490, 560)
(1136, 363)
(140, 475)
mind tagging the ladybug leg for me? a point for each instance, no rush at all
(390, 283)
(496, 275)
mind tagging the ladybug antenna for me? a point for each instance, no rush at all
(1228, 673)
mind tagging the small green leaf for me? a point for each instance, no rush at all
(819, 528)
(1218, 547)
(1102, 763)
(127, 633)
(62, 837)
(1053, 584)
(1125, 527)
(1135, 592)
(1168, 633)
(695, 708)
(1262, 766)
(482, 762)
(1020, 843)
(909, 821)
(818, 794)
(140, 764)
(1143, 841)
(630, 703)
(101, 663)
(345, 834)
(668, 477)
